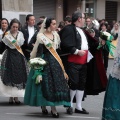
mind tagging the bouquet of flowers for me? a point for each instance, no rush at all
(108, 39)
(37, 64)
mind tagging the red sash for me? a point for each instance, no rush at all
(78, 59)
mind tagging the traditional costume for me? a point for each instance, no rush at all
(13, 67)
(89, 77)
(95, 75)
(53, 90)
(111, 106)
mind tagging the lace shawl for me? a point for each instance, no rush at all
(55, 43)
(115, 71)
(20, 39)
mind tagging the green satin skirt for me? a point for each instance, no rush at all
(34, 95)
(111, 106)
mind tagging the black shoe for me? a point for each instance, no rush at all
(17, 102)
(83, 111)
(55, 115)
(45, 112)
(11, 102)
(70, 110)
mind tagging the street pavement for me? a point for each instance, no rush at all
(93, 104)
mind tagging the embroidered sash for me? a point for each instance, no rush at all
(14, 43)
(54, 53)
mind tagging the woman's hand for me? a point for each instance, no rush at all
(66, 76)
(103, 42)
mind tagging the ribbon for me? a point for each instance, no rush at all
(111, 47)
(1, 67)
(38, 72)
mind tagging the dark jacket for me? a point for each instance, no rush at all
(71, 39)
(96, 76)
(26, 47)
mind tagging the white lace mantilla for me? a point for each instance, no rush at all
(55, 43)
(115, 71)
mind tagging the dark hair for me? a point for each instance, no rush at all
(48, 22)
(42, 17)
(39, 23)
(2, 20)
(61, 25)
(91, 31)
(6, 29)
(104, 24)
(69, 19)
(28, 17)
(14, 21)
(76, 15)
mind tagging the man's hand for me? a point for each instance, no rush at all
(81, 52)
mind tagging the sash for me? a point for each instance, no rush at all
(78, 59)
(54, 53)
(14, 43)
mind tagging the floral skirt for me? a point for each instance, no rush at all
(52, 91)
(111, 106)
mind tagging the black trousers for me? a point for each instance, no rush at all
(77, 76)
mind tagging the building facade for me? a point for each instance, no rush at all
(108, 9)
(16, 9)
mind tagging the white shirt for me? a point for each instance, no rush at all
(84, 43)
(31, 32)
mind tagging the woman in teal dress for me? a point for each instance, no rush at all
(53, 89)
(111, 106)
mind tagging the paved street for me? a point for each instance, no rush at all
(12, 112)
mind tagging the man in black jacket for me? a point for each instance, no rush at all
(75, 44)
(28, 31)
(74, 41)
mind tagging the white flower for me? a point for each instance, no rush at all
(39, 61)
(107, 34)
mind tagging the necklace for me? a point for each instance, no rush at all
(15, 35)
(49, 37)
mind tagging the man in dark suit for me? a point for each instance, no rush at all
(77, 44)
(28, 31)
(74, 41)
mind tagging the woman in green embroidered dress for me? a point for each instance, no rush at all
(53, 90)
(111, 106)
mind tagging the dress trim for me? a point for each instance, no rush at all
(111, 109)
(9, 91)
